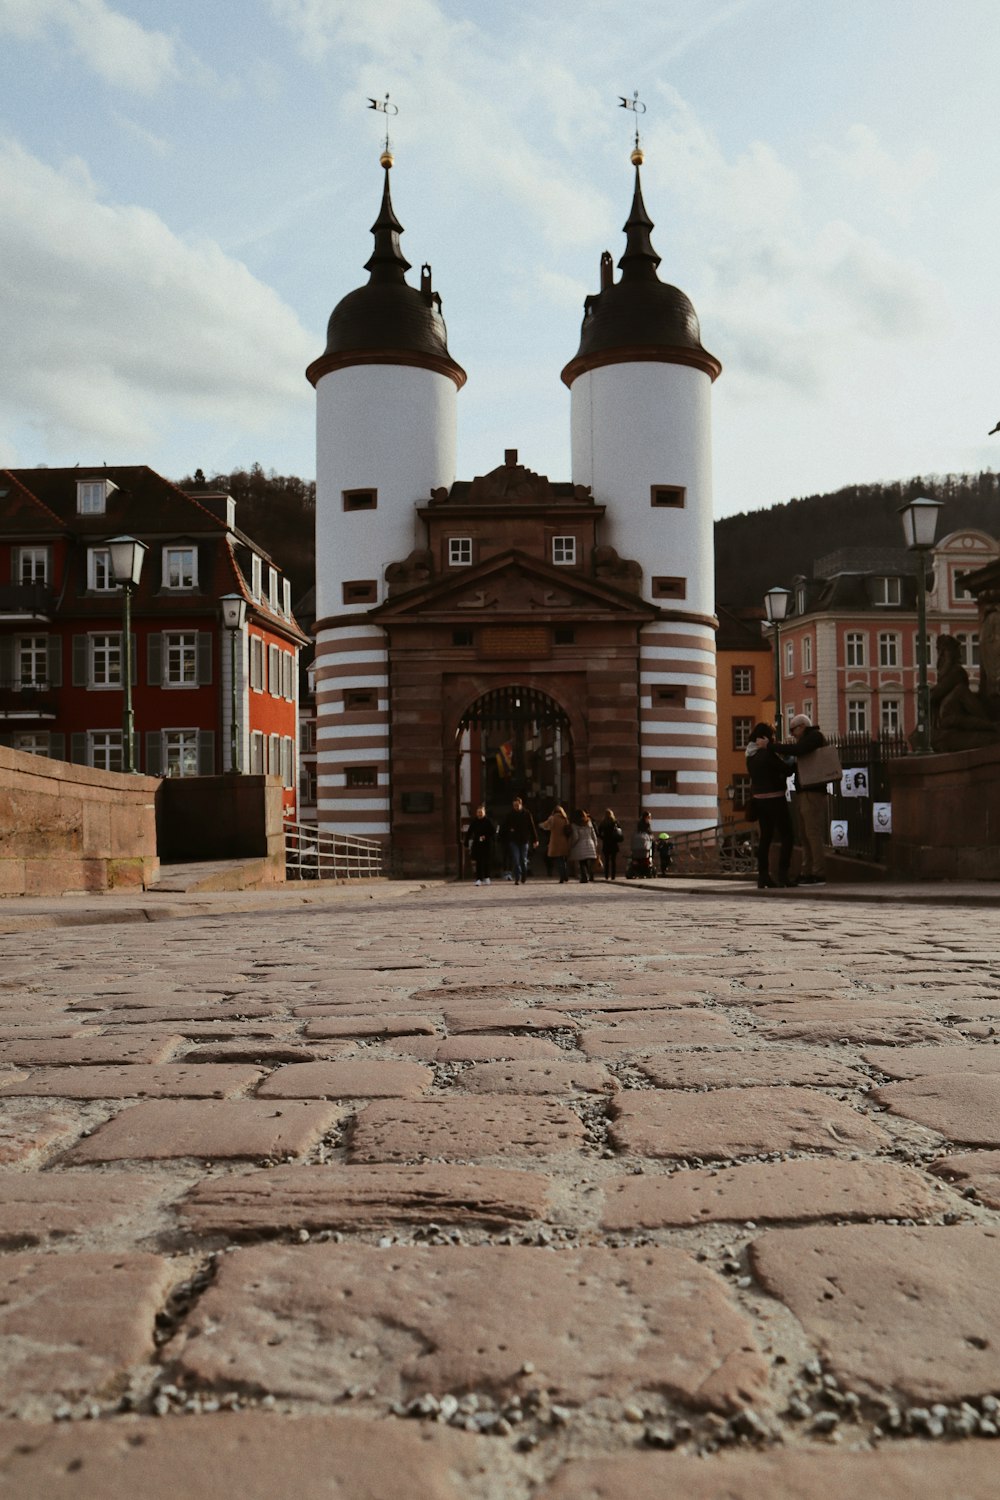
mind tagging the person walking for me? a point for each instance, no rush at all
(664, 852)
(769, 783)
(559, 829)
(810, 795)
(640, 865)
(583, 848)
(609, 831)
(520, 835)
(479, 838)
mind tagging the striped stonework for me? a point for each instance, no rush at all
(677, 723)
(351, 659)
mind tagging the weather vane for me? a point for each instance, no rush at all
(385, 107)
(637, 107)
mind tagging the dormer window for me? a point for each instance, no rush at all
(886, 591)
(800, 600)
(564, 551)
(255, 569)
(459, 551)
(180, 568)
(99, 576)
(272, 588)
(92, 496)
(286, 598)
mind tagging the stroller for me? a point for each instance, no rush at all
(640, 857)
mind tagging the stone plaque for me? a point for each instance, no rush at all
(521, 642)
(418, 802)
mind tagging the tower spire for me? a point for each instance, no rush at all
(387, 261)
(640, 260)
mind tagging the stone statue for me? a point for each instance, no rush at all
(959, 718)
(416, 569)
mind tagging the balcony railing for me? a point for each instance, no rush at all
(28, 700)
(311, 855)
(21, 601)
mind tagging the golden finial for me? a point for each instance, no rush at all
(384, 107)
(637, 107)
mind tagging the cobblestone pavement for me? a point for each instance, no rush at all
(549, 1192)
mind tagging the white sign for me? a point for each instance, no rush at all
(838, 833)
(854, 784)
(882, 817)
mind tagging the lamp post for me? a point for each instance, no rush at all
(126, 554)
(234, 613)
(776, 608)
(919, 518)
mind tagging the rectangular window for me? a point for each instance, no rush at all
(564, 635)
(90, 497)
(360, 591)
(31, 742)
(358, 776)
(461, 637)
(854, 649)
(789, 716)
(99, 576)
(891, 716)
(741, 789)
(307, 735)
(970, 649)
(459, 551)
(360, 499)
(808, 707)
(287, 675)
(670, 496)
(106, 660)
(105, 747)
(669, 588)
(668, 695)
(741, 732)
(287, 762)
(886, 591)
(307, 784)
(180, 752)
(857, 716)
(256, 664)
(255, 573)
(274, 671)
(888, 649)
(807, 653)
(32, 565)
(180, 663)
(742, 682)
(564, 551)
(664, 781)
(360, 699)
(286, 598)
(960, 593)
(272, 588)
(32, 660)
(180, 568)
(789, 658)
(256, 753)
(274, 755)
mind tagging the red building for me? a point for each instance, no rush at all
(61, 628)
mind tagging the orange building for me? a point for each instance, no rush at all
(745, 666)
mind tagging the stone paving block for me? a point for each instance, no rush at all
(478, 1048)
(682, 1028)
(900, 1471)
(335, 1197)
(507, 1018)
(263, 1051)
(965, 1107)
(135, 1081)
(610, 1005)
(977, 1169)
(37, 1207)
(72, 1324)
(90, 1050)
(738, 1122)
(28, 1132)
(459, 1129)
(920, 1062)
(768, 1192)
(509, 992)
(209, 1130)
(908, 1311)
(255, 1455)
(536, 1078)
(307, 1320)
(850, 1026)
(370, 1026)
(347, 1080)
(179, 1016)
(745, 1067)
(218, 1031)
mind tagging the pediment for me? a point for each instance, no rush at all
(514, 585)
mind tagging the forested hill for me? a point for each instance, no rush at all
(760, 548)
(277, 511)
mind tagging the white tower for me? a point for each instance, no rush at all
(386, 390)
(641, 438)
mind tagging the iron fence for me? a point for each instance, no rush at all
(312, 855)
(724, 850)
(871, 754)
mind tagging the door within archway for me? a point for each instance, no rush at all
(514, 742)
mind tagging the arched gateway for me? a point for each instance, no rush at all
(513, 742)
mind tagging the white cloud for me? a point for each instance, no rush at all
(863, 161)
(116, 48)
(119, 328)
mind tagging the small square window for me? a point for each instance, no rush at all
(664, 695)
(667, 496)
(886, 591)
(356, 699)
(664, 781)
(362, 776)
(461, 637)
(360, 499)
(669, 588)
(361, 591)
(742, 681)
(459, 551)
(564, 551)
(564, 635)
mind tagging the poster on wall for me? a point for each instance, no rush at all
(882, 817)
(854, 784)
(838, 833)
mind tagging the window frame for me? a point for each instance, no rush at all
(887, 585)
(742, 726)
(365, 498)
(31, 647)
(99, 566)
(667, 496)
(361, 778)
(855, 648)
(669, 588)
(182, 735)
(91, 497)
(888, 647)
(891, 709)
(460, 552)
(807, 653)
(740, 674)
(182, 587)
(857, 715)
(35, 555)
(109, 742)
(176, 646)
(105, 653)
(563, 551)
(789, 658)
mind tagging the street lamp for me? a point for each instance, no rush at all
(126, 555)
(919, 518)
(776, 608)
(234, 613)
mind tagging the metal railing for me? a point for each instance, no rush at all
(872, 754)
(312, 855)
(727, 849)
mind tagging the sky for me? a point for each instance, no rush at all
(187, 188)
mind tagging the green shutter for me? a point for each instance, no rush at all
(78, 747)
(55, 665)
(135, 658)
(154, 753)
(6, 661)
(204, 658)
(154, 659)
(57, 747)
(206, 752)
(81, 664)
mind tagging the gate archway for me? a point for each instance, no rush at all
(514, 742)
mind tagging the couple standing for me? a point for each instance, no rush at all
(769, 766)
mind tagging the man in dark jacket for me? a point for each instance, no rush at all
(810, 799)
(520, 835)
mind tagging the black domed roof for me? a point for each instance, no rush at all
(388, 321)
(639, 317)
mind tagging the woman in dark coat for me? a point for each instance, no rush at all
(479, 837)
(769, 774)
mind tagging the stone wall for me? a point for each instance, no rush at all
(66, 828)
(946, 816)
(221, 817)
